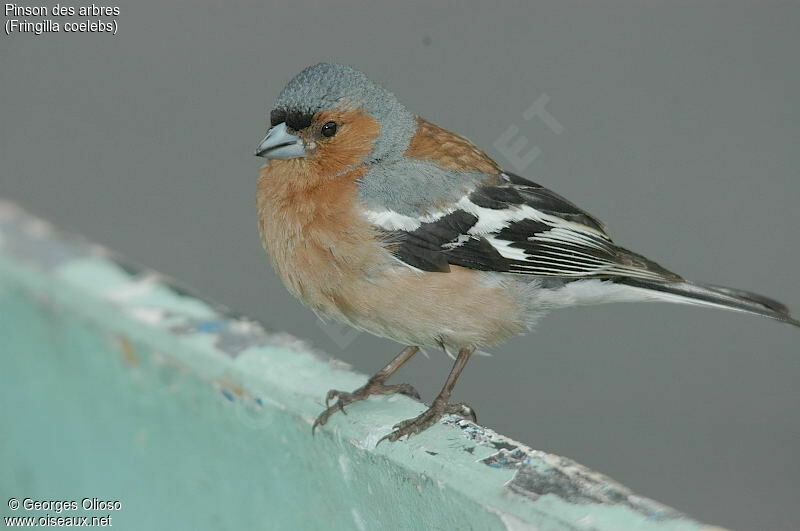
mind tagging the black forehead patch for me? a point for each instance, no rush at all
(297, 120)
(277, 116)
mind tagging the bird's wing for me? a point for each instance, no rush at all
(515, 226)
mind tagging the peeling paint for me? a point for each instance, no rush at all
(138, 287)
(148, 315)
(231, 390)
(227, 394)
(506, 459)
(539, 474)
(549, 474)
(232, 336)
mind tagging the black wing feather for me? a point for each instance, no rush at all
(549, 202)
(436, 245)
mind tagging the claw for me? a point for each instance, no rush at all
(314, 426)
(408, 390)
(333, 393)
(426, 419)
(343, 399)
(462, 410)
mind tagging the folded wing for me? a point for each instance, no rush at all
(514, 226)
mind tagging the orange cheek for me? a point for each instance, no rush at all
(349, 147)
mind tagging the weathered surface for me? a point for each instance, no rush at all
(117, 384)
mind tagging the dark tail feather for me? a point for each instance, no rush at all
(717, 296)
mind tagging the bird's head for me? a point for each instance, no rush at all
(333, 118)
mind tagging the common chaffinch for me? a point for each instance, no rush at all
(381, 219)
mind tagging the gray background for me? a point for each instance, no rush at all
(681, 132)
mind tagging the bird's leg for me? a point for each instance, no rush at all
(374, 386)
(440, 405)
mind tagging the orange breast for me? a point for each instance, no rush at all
(315, 238)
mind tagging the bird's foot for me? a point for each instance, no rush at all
(428, 418)
(371, 388)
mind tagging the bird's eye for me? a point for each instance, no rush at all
(329, 129)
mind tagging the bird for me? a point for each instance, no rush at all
(376, 217)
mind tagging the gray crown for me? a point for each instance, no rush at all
(325, 86)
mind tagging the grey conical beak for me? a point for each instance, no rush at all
(280, 144)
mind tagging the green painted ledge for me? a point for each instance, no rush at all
(117, 384)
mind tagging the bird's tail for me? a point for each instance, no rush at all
(715, 296)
